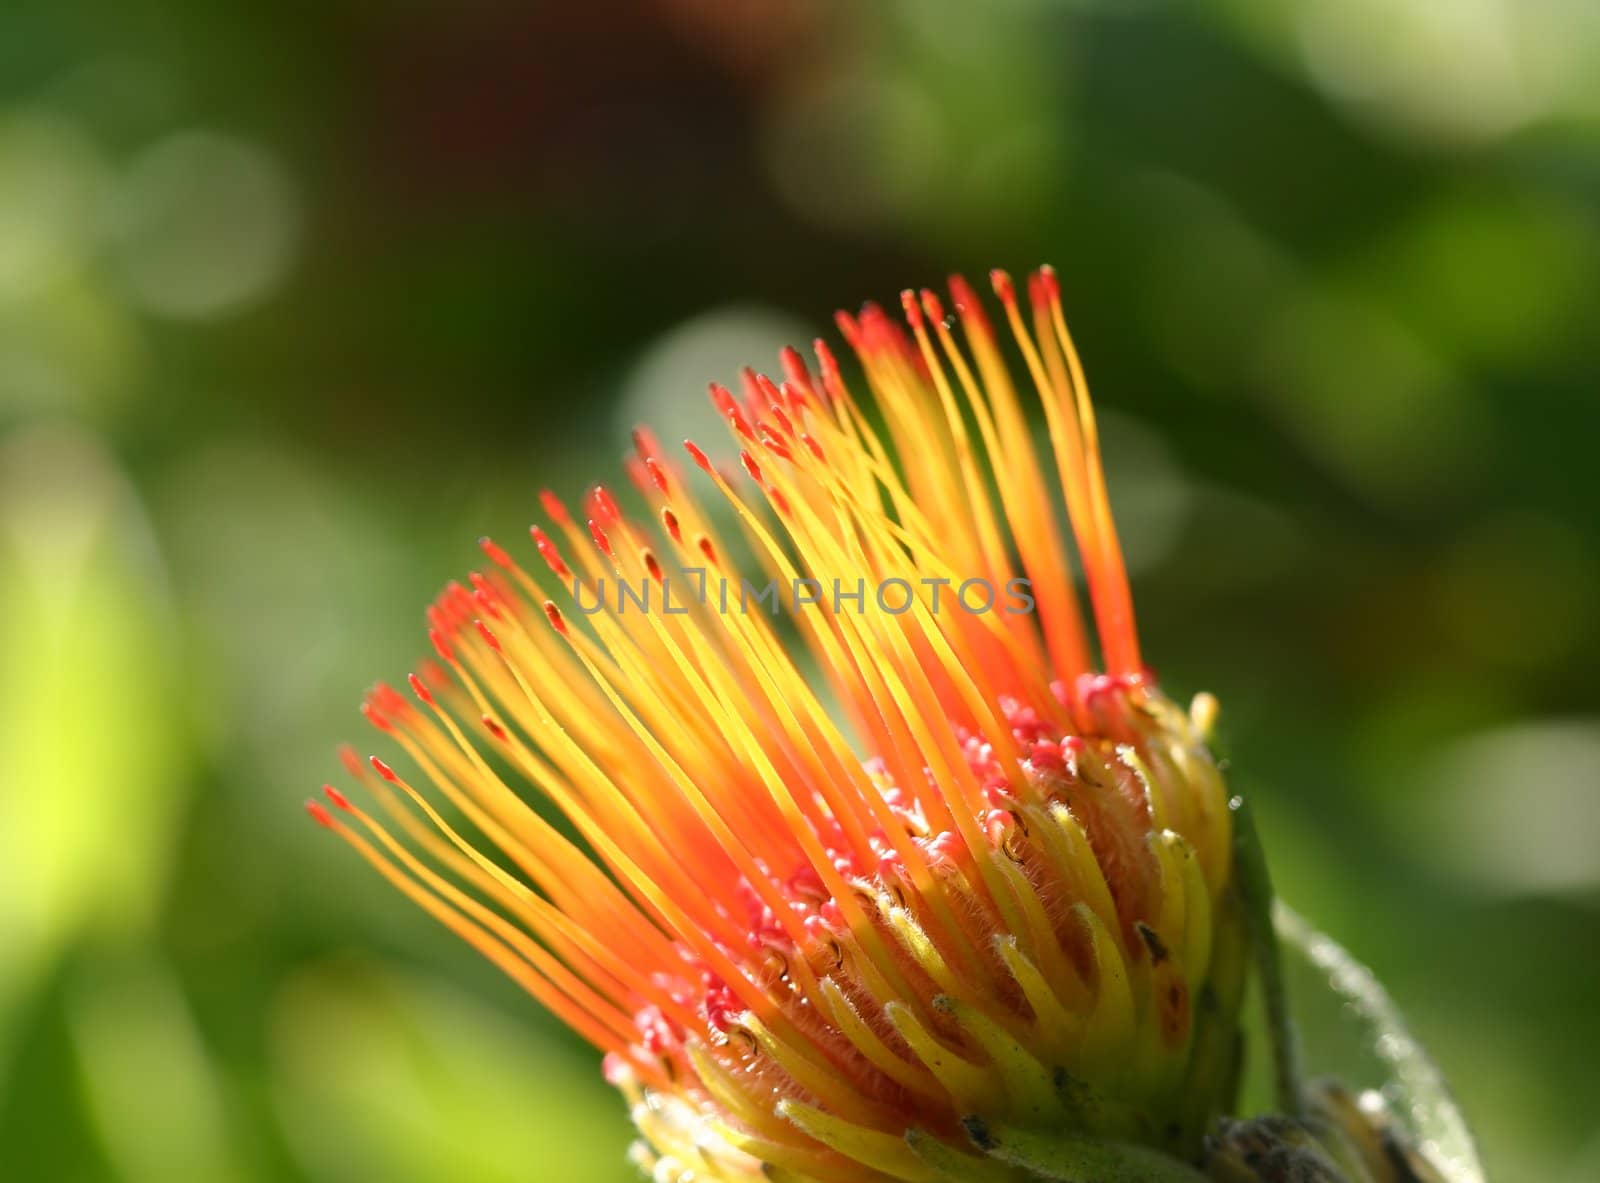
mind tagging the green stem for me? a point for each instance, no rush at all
(1255, 887)
(1069, 1158)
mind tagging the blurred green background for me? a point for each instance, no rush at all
(296, 300)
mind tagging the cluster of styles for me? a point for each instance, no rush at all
(895, 893)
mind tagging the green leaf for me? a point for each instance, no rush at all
(1330, 979)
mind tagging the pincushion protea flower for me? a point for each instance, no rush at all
(931, 892)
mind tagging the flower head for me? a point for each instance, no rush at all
(874, 889)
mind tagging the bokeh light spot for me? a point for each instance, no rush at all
(1513, 809)
(204, 225)
(666, 387)
(50, 180)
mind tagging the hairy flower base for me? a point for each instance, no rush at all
(1104, 963)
